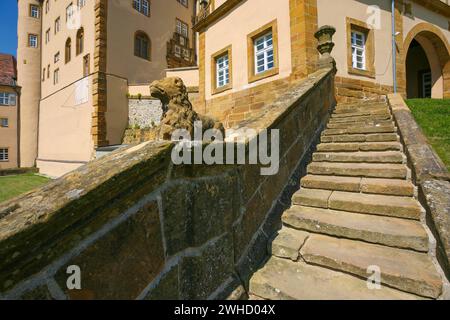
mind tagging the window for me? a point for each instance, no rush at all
(56, 76)
(81, 3)
(80, 41)
(43, 75)
(47, 36)
(264, 59)
(221, 70)
(143, 6)
(32, 41)
(142, 45)
(4, 154)
(57, 25)
(48, 71)
(34, 11)
(182, 28)
(177, 51)
(7, 99)
(57, 57)
(4, 123)
(183, 2)
(47, 6)
(69, 12)
(68, 50)
(263, 52)
(358, 50)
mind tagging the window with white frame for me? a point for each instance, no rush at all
(182, 28)
(143, 6)
(57, 55)
(69, 12)
(222, 71)
(81, 3)
(4, 123)
(32, 41)
(264, 53)
(4, 154)
(7, 99)
(47, 6)
(358, 50)
(34, 11)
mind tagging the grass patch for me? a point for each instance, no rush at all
(433, 116)
(12, 186)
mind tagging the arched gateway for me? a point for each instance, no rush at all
(427, 63)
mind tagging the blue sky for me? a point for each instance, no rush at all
(8, 26)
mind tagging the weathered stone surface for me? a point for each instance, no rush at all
(360, 130)
(200, 275)
(368, 146)
(39, 293)
(167, 287)
(426, 163)
(287, 243)
(368, 157)
(350, 184)
(282, 279)
(122, 263)
(406, 270)
(392, 187)
(437, 197)
(52, 220)
(367, 112)
(392, 206)
(393, 232)
(374, 170)
(312, 198)
(359, 124)
(379, 137)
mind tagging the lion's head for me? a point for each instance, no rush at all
(168, 89)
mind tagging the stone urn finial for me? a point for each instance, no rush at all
(325, 45)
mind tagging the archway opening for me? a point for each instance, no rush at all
(419, 80)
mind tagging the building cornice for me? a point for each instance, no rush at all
(217, 14)
(436, 6)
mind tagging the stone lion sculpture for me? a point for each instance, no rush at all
(177, 109)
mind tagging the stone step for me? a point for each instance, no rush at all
(357, 109)
(365, 112)
(378, 137)
(364, 146)
(392, 187)
(368, 105)
(359, 130)
(345, 125)
(409, 271)
(312, 198)
(287, 243)
(394, 232)
(370, 157)
(391, 206)
(361, 118)
(283, 279)
(369, 170)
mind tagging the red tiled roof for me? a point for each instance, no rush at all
(8, 69)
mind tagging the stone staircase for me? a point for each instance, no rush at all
(356, 213)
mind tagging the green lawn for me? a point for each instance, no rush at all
(433, 116)
(12, 186)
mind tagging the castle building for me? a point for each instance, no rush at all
(78, 62)
(9, 113)
(249, 50)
